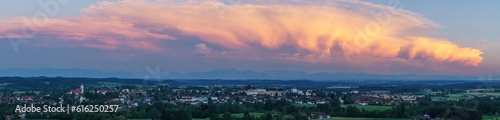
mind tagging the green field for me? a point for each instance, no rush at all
(370, 107)
(200, 119)
(494, 94)
(240, 115)
(360, 107)
(480, 90)
(445, 98)
(349, 118)
(236, 115)
(110, 84)
(380, 91)
(469, 95)
(341, 87)
(491, 117)
(304, 105)
(430, 92)
(22, 92)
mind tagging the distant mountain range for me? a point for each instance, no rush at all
(229, 74)
(301, 75)
(52, 72)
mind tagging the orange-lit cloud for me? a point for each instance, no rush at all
(317, 32)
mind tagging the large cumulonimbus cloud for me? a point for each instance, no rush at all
(314, 30)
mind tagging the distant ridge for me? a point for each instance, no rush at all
(52, 72)
(287, 75)
(228, 74)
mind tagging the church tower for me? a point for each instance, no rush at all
(81, 87)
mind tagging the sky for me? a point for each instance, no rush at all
(381, 37)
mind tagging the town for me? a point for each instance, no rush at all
(274, 102)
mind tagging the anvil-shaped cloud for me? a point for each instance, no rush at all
(309, 31)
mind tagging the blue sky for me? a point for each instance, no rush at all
(467, 24)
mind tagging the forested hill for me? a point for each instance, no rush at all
(41, 83)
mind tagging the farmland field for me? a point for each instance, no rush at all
(240, 115)
(491, 117)
(495, 94)
(236, 115)
(20, 92)
(445, 98)
(381, 91)
(468, 95)
(304, 105)
(111, 84)
(200, 119)
(370, 107)
(430, 92)
(351, 118)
